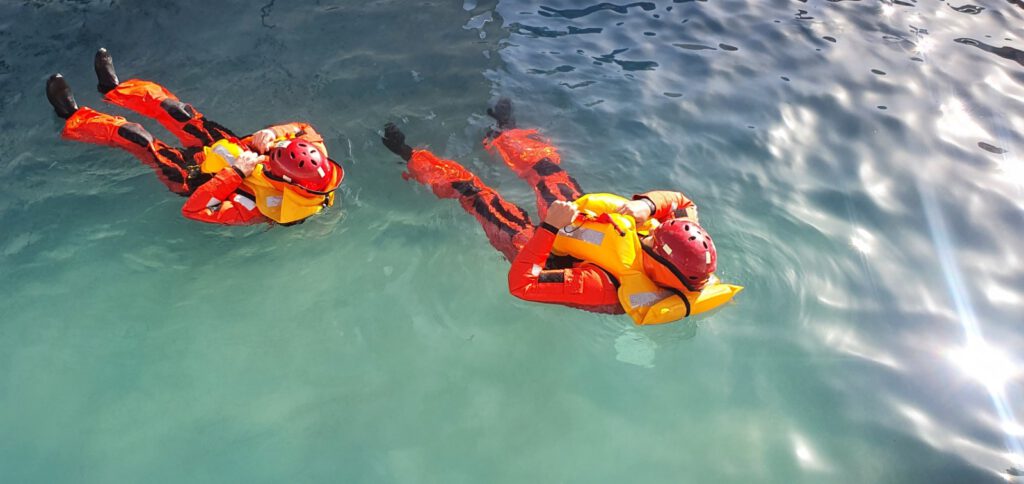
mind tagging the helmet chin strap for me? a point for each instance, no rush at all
(671, 268)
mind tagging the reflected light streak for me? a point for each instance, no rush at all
(805, 455)
(860, 350)
(979, 358)
(863, 241)
(1007, 86)
(984, 363)
(1016, 430)
(957, 122)
(785, 139)
(915, 415)
(847, 342)
(924, 46)
(1013, 169)
(937, 435)
(1001, 295)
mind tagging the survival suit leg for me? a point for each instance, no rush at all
(507, 226)
(536, 161)
(154, 101)
(175, 168)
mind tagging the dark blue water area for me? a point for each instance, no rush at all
(857, 163)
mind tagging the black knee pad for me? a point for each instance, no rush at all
(546, 167)
(217, 130)
(135, 133)
(199, 134)
(465, 188)
(178, 110)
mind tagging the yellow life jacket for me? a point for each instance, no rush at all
(612, 242)
(278, 200)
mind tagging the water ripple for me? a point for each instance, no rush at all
(836, 151)
(546, 32)
(577, 13)
(1005, 52)
(968, 9)
(858, 167)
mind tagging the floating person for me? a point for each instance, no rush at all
(279, 174)
(647, 257)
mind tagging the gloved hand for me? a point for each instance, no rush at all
(691, 213)
(640, 210)
(247, 161)
(561, 213)
(502, 113)
(262, 139)
(394, 139)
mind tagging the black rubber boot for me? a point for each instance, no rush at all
(105, 76)
(394, 139)
(59, 94)
(502, 113)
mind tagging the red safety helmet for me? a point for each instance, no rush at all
(688, 249)
(301, 163)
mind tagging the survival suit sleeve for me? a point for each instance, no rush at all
(668, 204)
(582, 286)
(216, 201)
(300, 130)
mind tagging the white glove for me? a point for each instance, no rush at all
(247, 161)
(262, 139)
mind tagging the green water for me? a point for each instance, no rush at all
(378, 343)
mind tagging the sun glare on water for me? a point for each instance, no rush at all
(984, 363)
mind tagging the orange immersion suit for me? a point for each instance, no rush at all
(215, 198)
(536, 274)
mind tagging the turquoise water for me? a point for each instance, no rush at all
(858, 164)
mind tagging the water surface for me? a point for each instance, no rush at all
(857, 162)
